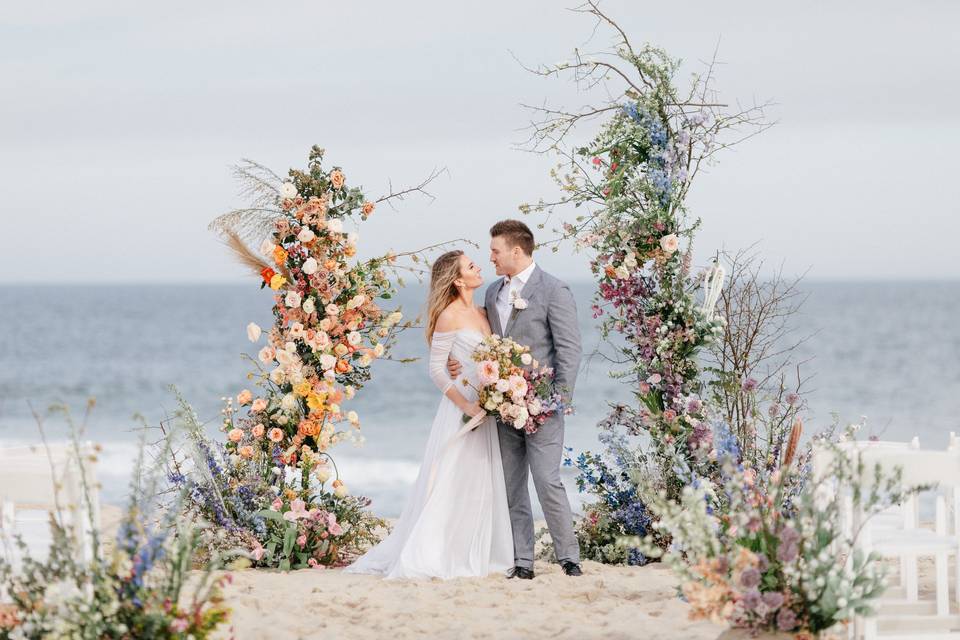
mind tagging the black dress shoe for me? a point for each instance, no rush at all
(571, 568)
(520, 572)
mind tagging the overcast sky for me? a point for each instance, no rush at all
(119, 122)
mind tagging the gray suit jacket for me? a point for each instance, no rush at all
(548, 325)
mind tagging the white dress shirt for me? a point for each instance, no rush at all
(509, 292)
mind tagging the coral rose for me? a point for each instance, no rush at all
(258, 405)
(276, 435)
(235, 435)
(336, 178)
(368, 208)
(244, 397)
(257, 431)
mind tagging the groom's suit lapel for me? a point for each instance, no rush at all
(529, 292)
(491, 304)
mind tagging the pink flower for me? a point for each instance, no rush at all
(235, 435)
(276, 435)
(244, 397)
(257, 430)
(297, 510)
(257, 552)
(277, 504)
(488, 372)
(669, 415)
(258, 405)
(655, 378)
(179, 625)
(302, 539)
(312, 562)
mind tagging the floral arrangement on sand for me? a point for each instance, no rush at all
(273, 487)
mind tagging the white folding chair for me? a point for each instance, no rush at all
(919, 467)
(47, 480)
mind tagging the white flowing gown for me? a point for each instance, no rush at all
(456, 522)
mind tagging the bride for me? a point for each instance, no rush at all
(456, 522)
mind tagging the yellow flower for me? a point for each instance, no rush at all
(277, 281)
(303, 389)
(315, 402)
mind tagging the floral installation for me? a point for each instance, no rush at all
(767, 557)
(273, 486)
(514, 387)
(140, 588)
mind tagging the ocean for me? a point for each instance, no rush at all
(886, 350)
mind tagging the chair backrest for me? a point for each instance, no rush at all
(919, 467)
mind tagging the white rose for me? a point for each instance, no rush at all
(526, 358)
(287, 190)
(293, 299)
(289, 402)
(335, 226)
(266, 354)
(669, 243)
(503, 386)
(356, 301)
(621, 272)
(520, 303)
(308, 305)
(284, 357)
(306, 235)
(310, 265)
(630, 262)
(354, 338)
(365, 360)
(490, 405)
(535, 407)
(353, 417)
(253, 332)
(522, 414)
(277, 376)
(322, 473)
(267, 247)
(327, 361)
(341, 490)
(395, 317)
(378, 350)
(332, 310)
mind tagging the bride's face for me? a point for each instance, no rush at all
(469, 273)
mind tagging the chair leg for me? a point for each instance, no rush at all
(870, 628)
(911, 581)
(943, 585)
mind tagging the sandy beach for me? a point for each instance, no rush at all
(607, 602)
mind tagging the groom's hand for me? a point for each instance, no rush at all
(453, 367)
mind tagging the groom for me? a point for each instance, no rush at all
(536, 310)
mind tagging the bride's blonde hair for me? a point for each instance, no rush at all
(443, 291)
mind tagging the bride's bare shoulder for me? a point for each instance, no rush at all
(448, 320)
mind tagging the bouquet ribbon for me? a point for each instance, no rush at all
(468, 427)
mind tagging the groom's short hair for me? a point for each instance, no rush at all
(515, 233)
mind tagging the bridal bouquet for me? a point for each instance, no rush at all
(514, 387)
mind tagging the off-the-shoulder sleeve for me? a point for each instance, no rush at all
(440, 348)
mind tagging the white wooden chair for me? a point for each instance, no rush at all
(942, 469)
(38, 481)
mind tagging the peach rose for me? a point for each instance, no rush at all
(669, 243)
(235, 435)
(336, 178)
(257, 431)
(368, 208)
(246, 451)
(244, 397)
(276, 435)
(258, 405)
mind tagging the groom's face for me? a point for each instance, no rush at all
(505, 258)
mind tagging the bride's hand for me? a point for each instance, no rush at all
(473, 409)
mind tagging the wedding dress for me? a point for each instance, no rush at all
(456, 522)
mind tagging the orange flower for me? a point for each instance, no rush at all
(610, 271)
(246, 451)
(330, 264)
(267, 274)
(343, 366)
(279, 255)
(349, 251)
(367, 208)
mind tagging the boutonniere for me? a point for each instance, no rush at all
(518, 303)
